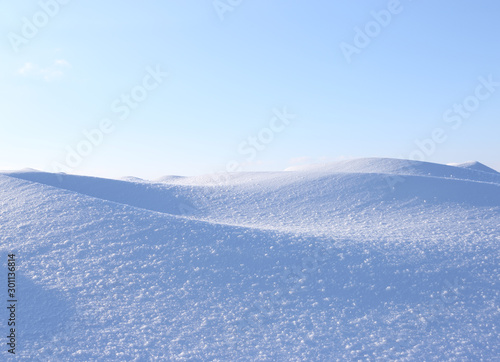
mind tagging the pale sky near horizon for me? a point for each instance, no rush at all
(358, 80)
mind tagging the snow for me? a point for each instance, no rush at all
(370, 259)
(474, 165)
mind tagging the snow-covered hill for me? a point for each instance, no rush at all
(363, 259)
(474, 165)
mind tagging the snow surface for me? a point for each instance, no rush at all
(478, 166)
(370, 259)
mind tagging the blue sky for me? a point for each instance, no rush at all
(231, 69)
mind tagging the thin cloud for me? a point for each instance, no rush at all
(53, 72)
(305, 160)
(300, 160)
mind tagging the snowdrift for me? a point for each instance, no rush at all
(363, 259)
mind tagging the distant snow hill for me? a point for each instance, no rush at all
(368, 259)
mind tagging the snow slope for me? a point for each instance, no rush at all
(364, 259)
(474, 165)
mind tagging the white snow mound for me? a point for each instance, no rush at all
(371, 259)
